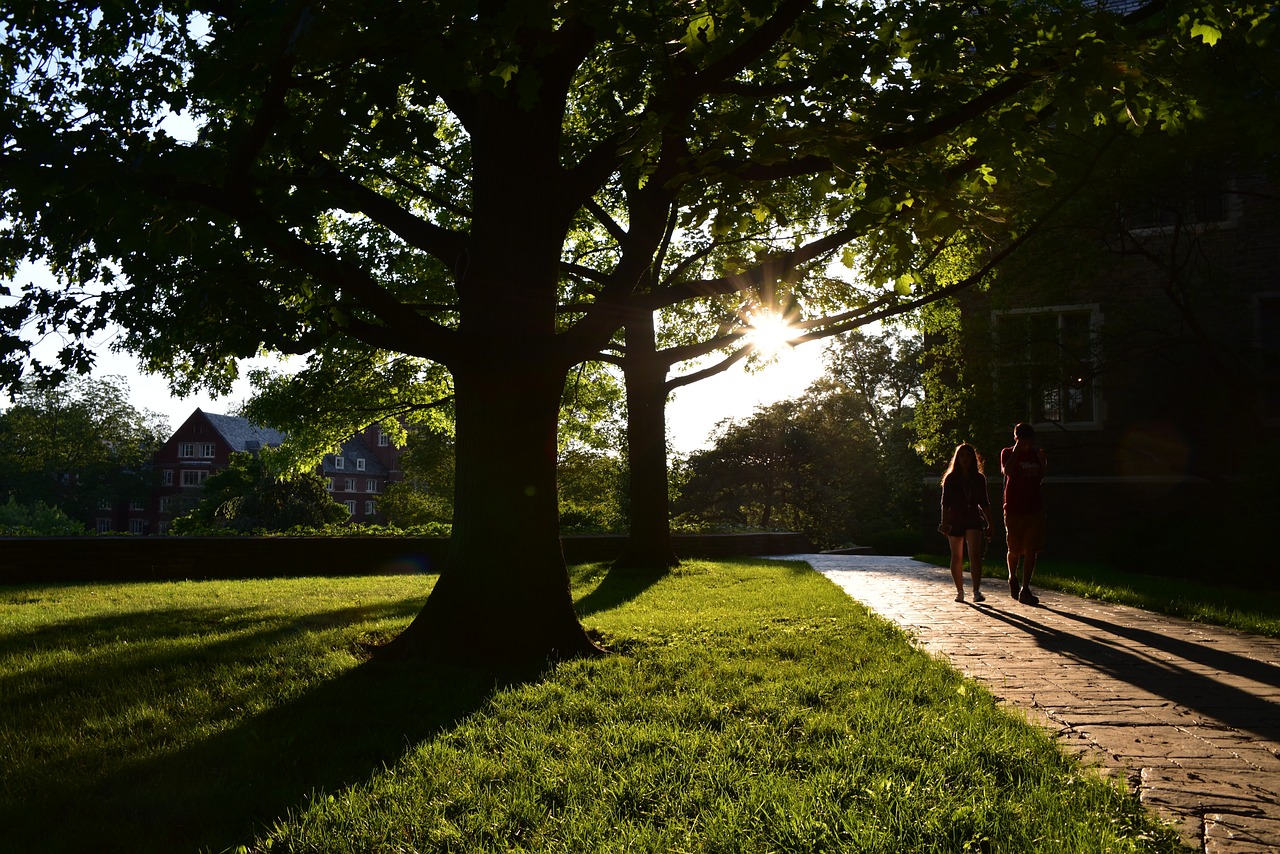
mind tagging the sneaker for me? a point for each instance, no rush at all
(978, 597)
(1026, 597)
(1013, 584)
(959, 597)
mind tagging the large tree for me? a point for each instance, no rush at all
(488, 185)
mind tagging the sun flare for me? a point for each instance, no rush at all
(770, 334)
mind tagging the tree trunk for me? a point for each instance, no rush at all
(649, 542)
(503, 597)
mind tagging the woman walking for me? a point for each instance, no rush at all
(966, 516)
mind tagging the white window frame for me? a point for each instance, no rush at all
(349, 485)
(369, 508)
(208, 450)
(339, 463)
(359, 463)
(104, 526)
(137, 526)
(187, 450)
(166, 477)
(193, 477)
(351, 507)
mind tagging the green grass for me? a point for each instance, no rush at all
(1217, 604)
(750, 707)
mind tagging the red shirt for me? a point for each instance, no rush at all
(1023, 471)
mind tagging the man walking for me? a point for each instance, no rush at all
(1023, 466)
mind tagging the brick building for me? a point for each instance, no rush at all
(356, 474)
(1147, 354)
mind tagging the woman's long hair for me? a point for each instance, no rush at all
(964, 447)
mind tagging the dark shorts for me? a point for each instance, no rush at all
(1025, 533)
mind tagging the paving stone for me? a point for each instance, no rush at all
(1234, 834)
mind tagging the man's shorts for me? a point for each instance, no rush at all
(1024, 533)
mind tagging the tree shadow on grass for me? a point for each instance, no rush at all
(619, 586)
(216, 793)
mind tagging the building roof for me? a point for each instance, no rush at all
(242, 434)
(353, 449)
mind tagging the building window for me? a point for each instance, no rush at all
(166, 477)
(208, 450)
(1048, 359)
(137, 526)
(351, 507)
(383, 439)
(104, 503)
(368, 508)
(328, 484)
(360, 464)
(350, 485)
(370, 485)
(104, 526)
(137, 504)
(1199, 194)
(339, 463)
(166, 504)
(187, 449)
(194, 478)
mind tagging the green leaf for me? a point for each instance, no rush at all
(1209, 33)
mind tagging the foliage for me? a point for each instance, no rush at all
(425, 495)
(73, 445)
(342, 390)
(810, 465)
(751, 706)
(592, 488)
(36, 520)
(249, 495)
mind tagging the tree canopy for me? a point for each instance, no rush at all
(73, 446)
(503, 187)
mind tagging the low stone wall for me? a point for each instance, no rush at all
(34, 560)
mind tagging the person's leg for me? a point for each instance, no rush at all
(973, 538)
(957, 565)
(1014, 532)
(1034, 541)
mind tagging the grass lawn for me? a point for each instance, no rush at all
(1216, 604)
(750, 707)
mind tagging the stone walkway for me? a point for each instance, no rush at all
(1189, 713)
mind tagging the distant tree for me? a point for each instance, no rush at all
(592, 486)
(885, 373)
(811, 465)
(76, 444)
(251, 496)
(36, 520)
